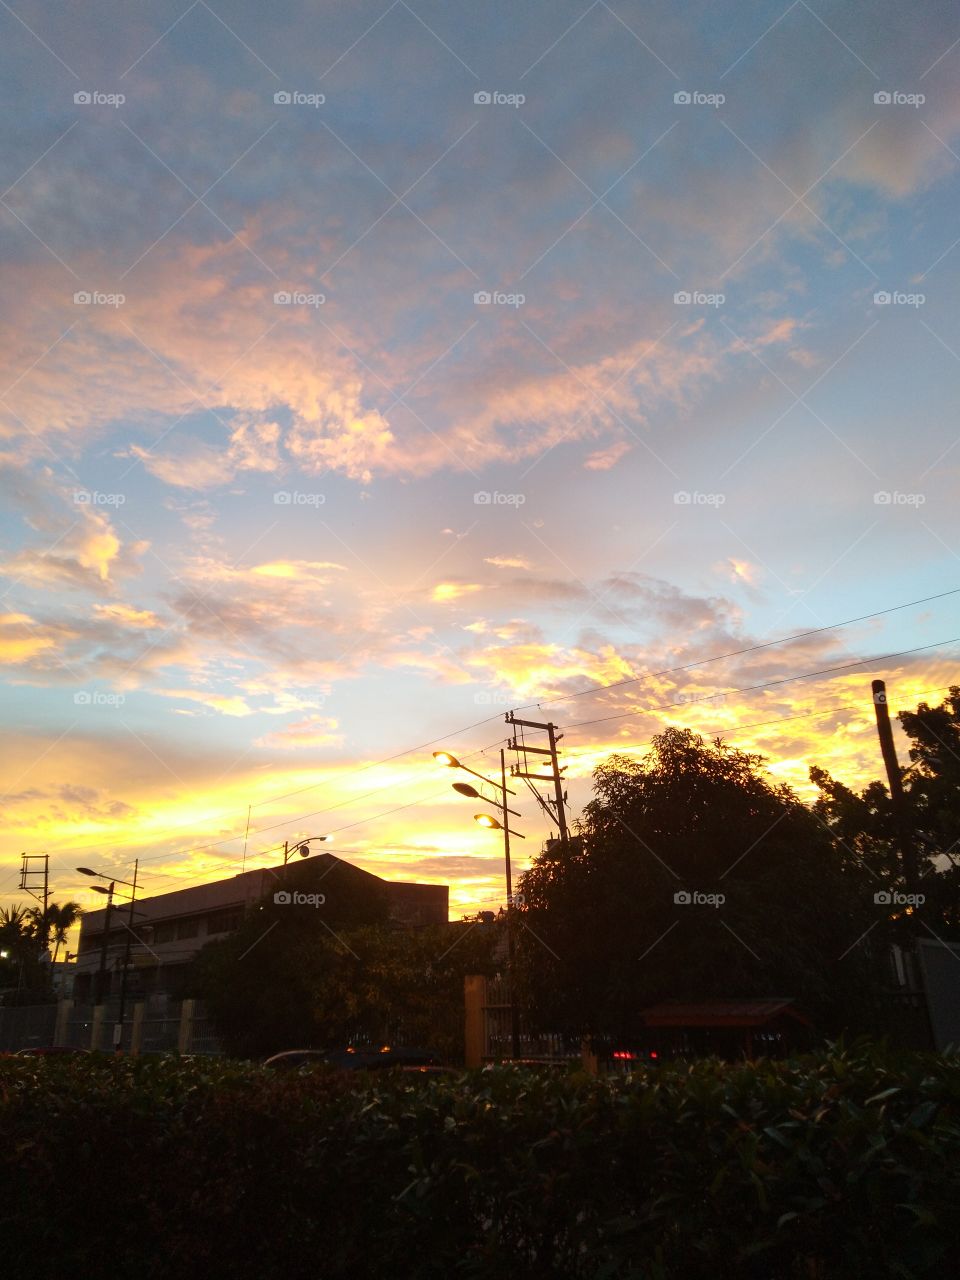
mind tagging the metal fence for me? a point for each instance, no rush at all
(155, 1025)
(27, 1026)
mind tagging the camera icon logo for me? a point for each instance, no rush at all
(883, 498)
(482, 99)
(282, 898)
(282, 99)
(282, 298)
(483, 499)
(881, 298)
(82, 699)
(682, 897)
(82, 298)
(880, 698)
(82, 99)
(482, 298)
(883, 898)
(282, 498)
(682, 98)
(882, 98)
(682, 498)
(682, 298)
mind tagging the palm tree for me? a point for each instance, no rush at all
(59, 919)
(62, 917)
(16, 930)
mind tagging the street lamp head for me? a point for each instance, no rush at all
(487, 820)
(98, 888)
(85, 871)
(466, 789)
(444, 757)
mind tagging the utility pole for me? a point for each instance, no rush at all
(118, 1029)
(102, 970)
(37, 884)
(555, 809)
(908, 852)
(511, 929)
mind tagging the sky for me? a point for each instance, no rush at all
(368, 370)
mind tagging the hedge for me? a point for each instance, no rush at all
(840, 1164)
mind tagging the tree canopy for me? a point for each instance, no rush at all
(692, 874)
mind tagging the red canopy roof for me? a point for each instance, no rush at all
(721, 1013)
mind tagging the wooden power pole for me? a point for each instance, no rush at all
(555, 808)
(908, 852)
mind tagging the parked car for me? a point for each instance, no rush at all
(51, 1051)
(358, 1059)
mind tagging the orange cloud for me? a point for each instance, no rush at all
(444, 592)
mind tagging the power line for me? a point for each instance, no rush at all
(768, 684)
(179, 853)
(374, 764)
(805, 715)
(737, 653)
(560, 698)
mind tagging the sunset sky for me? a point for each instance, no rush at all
(282, 499)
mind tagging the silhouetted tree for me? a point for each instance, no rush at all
(618, 926)
(868, 823)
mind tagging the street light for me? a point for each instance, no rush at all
(494, 824)
(101, 976)
(301, 847)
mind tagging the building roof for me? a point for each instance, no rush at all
(721, 1013)
(239, 891)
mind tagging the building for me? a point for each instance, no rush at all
(171, 928)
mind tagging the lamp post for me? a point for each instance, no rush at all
(300, 846)
(494, 824)
(101, 979)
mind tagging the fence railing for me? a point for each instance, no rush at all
(150, 1026)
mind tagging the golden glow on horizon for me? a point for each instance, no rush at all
(396, 819)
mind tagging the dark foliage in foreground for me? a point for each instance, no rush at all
(843, 1164)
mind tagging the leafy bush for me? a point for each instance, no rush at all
(841, 1164)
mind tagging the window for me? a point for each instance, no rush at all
(188, 928)
(225, 921)
(165, 932)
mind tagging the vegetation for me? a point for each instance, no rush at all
(24, 936)
(870, 825)
(327, 974)
(843, 1164)
(693, 874)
